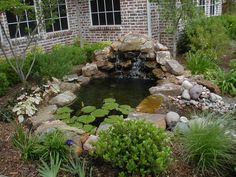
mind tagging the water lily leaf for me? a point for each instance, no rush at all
(100, 113)
(63, 116)
(124, 109)
(89, 128)
(64, 110)
(86, 119)
(109, 100)
(69, 121)
(88, 109)
(77, 125)
(110, 106)
(113, 119)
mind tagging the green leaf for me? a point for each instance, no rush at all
(88, 109)
(77, 125)
(64, 110)
(88, 128)
(109, 100)
(63, 116)
(86, 119)
(113, 119)
(100, 113)
(110, 106)
(124, 109)
(69, 121)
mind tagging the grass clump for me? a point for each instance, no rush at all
(208, 146)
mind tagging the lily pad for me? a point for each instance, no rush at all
(124, 109)
(113, 119)
(64, 110)
(110, 106)
(88, 109)
(69, 121)
(100, 113)
(89, 128)
(63, 116)
(77, 125)
(86, 119)
(109, 100)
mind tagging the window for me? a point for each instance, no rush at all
(212, 7)
(202, 5)
(22, 25)
(105, 12)
(56, 19)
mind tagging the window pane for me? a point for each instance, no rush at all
(93, 5)
(95, 19)
(23, 29)
(62, 10)
(110, 20)
(101, 5)
(108, 5)
(32, 26)
(10, 17)
(117, 18)
(22, 17)
(102, 19)
(48, 26)
(12, 30)
(64, 23)
(57, 25)
(116, 4)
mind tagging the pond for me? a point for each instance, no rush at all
(125, 90)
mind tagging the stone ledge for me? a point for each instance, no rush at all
(109, 27)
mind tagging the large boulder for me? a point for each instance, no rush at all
(162, 57)
(63, 99)
(73, 87)
(174, 67)
(166, 89)
(90, 69)
(159, 47)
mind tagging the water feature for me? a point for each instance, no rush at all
(125, 90)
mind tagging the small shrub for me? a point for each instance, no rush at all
(207, 145)
(52, 143)
(6, 114)
(4, 83)
(199, 62)
(137, 147)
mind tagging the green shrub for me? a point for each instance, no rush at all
(9, 72)
(137, 147)
(207, 145)
(52, 143)
(4, 83)
(229, 22)
(199, 62)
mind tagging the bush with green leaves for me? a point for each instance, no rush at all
(136, 146)
(86, 118)
(4, 83)
(199, 62)
(208, 146)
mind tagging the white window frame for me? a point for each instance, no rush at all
(208, 5)
(105, 12)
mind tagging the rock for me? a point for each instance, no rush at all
(184, 119)
(187, 85)
(44, 114)
(132, 42)
(193, 102)
(150, 64)
(104, 54)
(185, 95)
(57, 124)
(147, 47)
(181, 127)
(88, 144)
(214, 97)
(195, 91)
(63, 99)
(166, 89)
(208, 84)
(172, 118)
(149, 56)
(70, 78)
(103, 127)
(174, 67)
(105, 65)
(73, 87)
(157, 119)
(83, 80)
(159, 47)
(126, 64)
(158, 73)
(77, 69)
(89, 69)
(162, 57)
(116, 45)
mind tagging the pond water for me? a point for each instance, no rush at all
(125, 90)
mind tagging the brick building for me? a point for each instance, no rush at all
(94, 20)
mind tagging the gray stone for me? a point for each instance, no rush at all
(214, 97)
(83, 80)
(174, 67)
(187, 85)
(157, 119)
(103, 54)
(103, 127)
(193, 102)
(90, 69)
(73, 87)
(184, 119)
(195, 91)
(44, 114)
(162, 57)
(147, 47)
(71, 77)
(185, 95)
(181, 127)
(88, 144)
(172, 117)
(63, 99)
(166, 89)
(159, 47)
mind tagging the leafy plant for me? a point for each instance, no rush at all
(100, 113)
(208, 146)
(6, 114)
(199, 62)
(63, 113)
(88, 109)
(52, 169)
(4, 83)
(76, 167)
(137, 147)
(52, 143)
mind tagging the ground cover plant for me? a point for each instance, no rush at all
(135, 146)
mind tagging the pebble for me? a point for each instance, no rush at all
(172, 117)
(185, 95)
(184, 119)
(187, 85)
